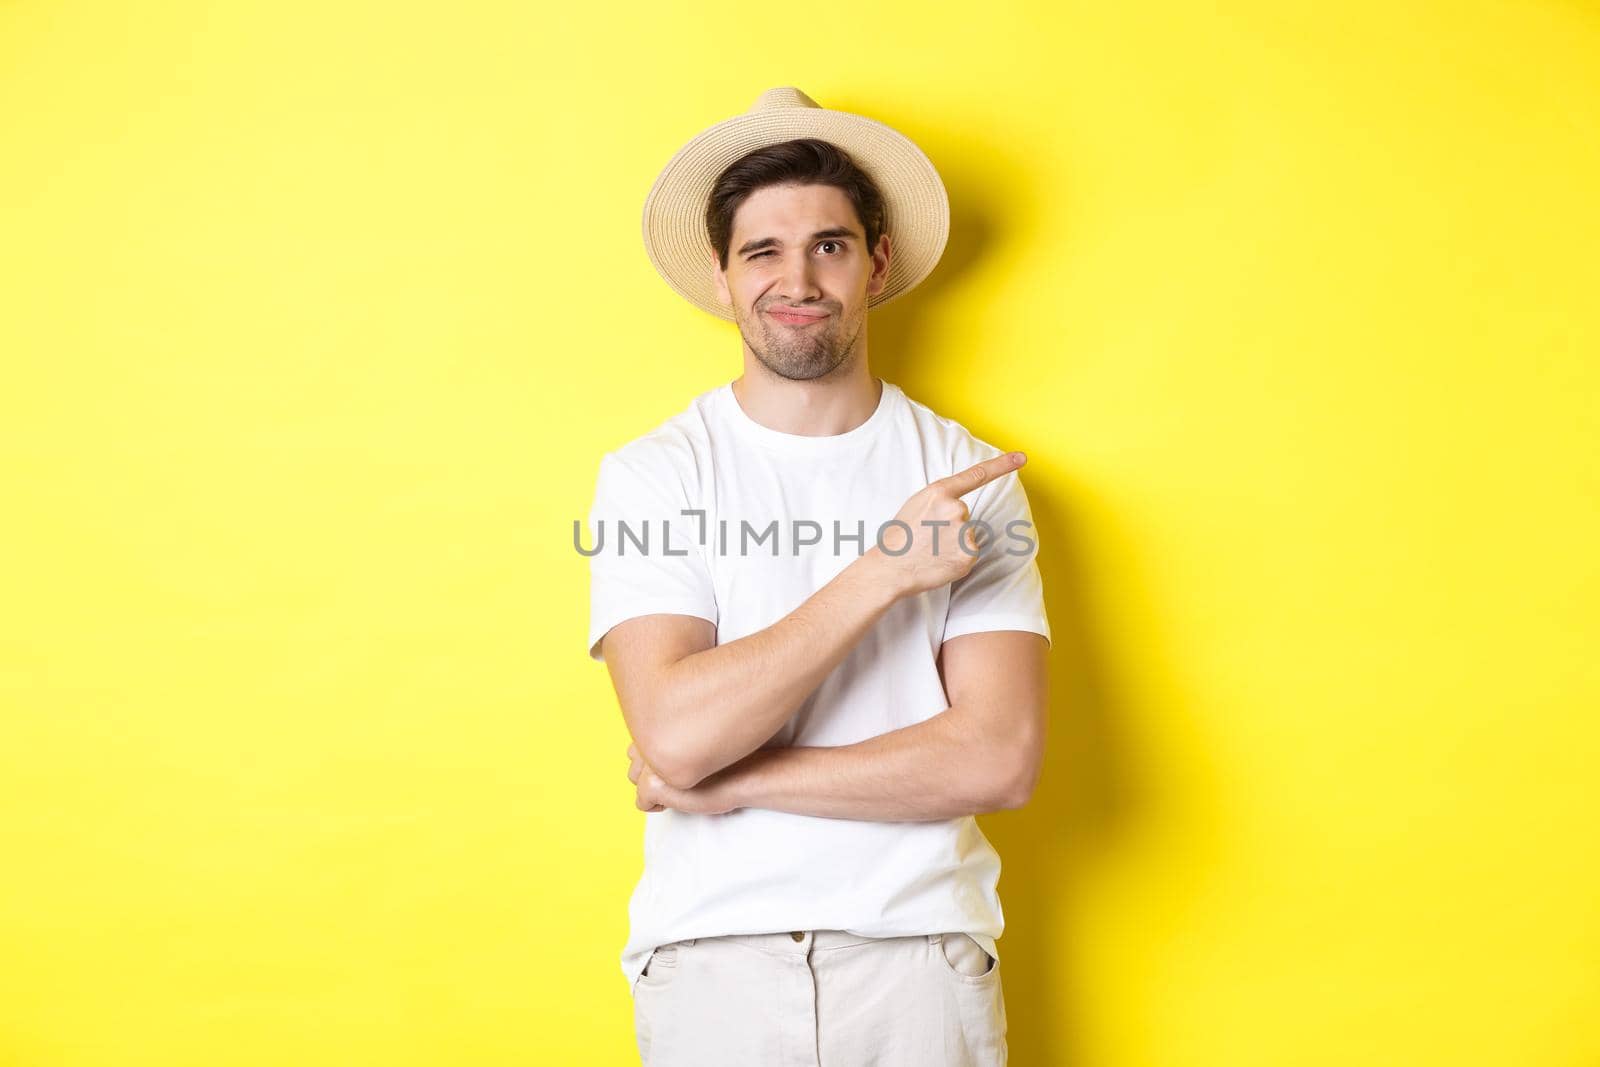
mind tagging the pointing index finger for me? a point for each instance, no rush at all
(980, 474)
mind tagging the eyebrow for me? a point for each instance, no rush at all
(768, 242)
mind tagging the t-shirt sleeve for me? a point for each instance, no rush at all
(1003, 590)
(667, 575)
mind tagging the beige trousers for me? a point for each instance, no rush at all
(821, 998)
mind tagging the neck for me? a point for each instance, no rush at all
(821, 407)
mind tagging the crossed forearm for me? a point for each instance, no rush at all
(941, 768)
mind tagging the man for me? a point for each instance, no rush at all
(826, 669)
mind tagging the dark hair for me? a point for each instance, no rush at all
(806, 161)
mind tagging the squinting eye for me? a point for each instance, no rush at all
(758, 255)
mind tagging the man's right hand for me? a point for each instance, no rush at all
(913, 564)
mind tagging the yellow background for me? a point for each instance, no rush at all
(316, 319)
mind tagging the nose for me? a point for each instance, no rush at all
(799, 283)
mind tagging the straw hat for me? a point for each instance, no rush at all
(916, 209)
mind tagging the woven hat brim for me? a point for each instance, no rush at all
(916, 206)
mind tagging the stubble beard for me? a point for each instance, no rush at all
(800, 355)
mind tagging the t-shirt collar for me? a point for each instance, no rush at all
(850, 441)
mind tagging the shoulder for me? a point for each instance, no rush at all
(670, 454)
(946, 441)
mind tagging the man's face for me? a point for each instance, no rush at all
(800, 247)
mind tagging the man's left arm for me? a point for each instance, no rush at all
(982, 753)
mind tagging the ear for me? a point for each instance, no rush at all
(880, 266)
(720, 277)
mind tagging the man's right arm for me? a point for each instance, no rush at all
(694, 707)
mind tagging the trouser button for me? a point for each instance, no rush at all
(797, 935)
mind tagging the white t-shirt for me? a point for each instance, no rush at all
(747, 562)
